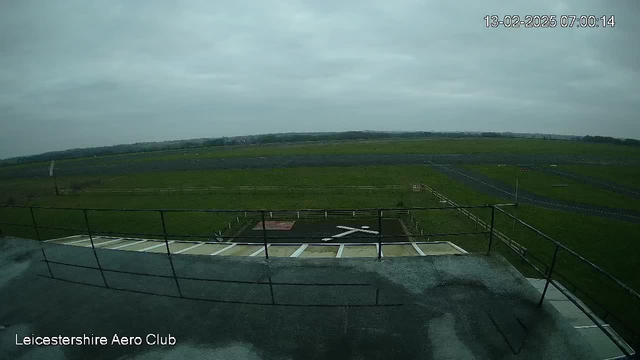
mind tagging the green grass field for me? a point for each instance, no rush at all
(540, 183)
(436, 146)
(420, 146)
(619, 174)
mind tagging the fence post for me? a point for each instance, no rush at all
(93, 247)
(47, 262)
(166, 243)
(493, 216)
(549, 273)
(164, 232)
(264, 236)
(273, 299)
(35, 226)
(86, 221)
(379, 234)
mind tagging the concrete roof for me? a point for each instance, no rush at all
(441, 307)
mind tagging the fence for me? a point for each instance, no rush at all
(235, 221)
(220, 189)
(546, 269)
(269, 300)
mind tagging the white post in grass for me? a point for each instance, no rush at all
(515, 210)
(53, 174)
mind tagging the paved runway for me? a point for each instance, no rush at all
(99, 166)
(493, 187)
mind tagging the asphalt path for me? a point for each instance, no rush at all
(607, 185)
(493, 187)
(98, 166)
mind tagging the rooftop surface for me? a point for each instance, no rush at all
(426, 307)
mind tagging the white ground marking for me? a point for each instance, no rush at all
(457, 247)
(64, 238)
(260, 250)
(364, 227)
(340, 251)
(362, 230)
(350, 230)
(189, 248)
(343, 234)
(300, 250)
(126, 245)
(224, 249)
(155, 246)
(378, 249)
(107, 242)
(415, 246)
(589, 326)
(75, 242)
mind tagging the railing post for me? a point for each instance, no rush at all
(493, 216)
(35, 225)
(55, 183)
(164, 232)
(47, 262)
(93, 247)
(166, 243)
(86, 221)
(379, 234)
(264, 236)
(549, 274)
(273, 299)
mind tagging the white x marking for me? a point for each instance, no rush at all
(350, 230)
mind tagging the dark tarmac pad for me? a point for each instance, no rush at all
(307, 231)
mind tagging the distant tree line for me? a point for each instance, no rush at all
(610, 140)
(289, 138)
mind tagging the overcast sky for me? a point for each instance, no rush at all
(92, 73)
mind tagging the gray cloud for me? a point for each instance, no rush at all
(91, 73)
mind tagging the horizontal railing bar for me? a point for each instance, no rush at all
(627, 328)
(254, 210)
(528, 262)
(203, 279)
(55, 228)
(222, 301)
(16, 224)
(593, 318)
(565, 248)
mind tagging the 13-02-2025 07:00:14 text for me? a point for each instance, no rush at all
(550, 21)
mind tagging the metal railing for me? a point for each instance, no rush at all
(222, 189)
(548, 271)
(264, 239)
(371, 213)
(378, 214)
